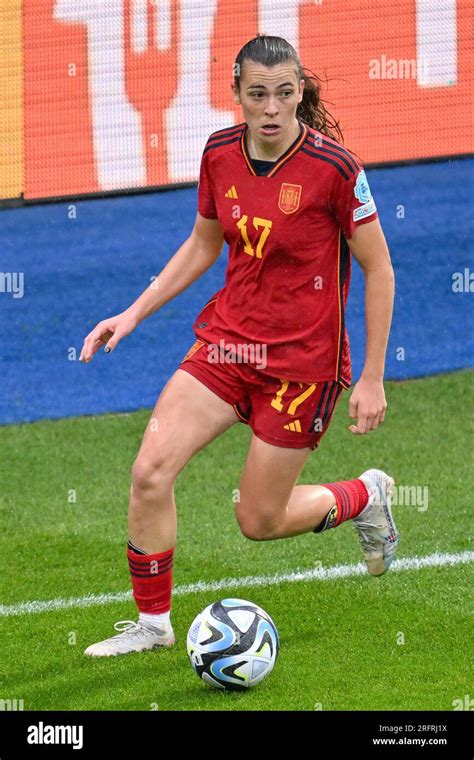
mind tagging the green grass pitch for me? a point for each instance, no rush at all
(398, 642)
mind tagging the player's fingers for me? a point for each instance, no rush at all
(85, 348)
(361, 426)
(94, 341)
(374, 422)
(85, 351)
(379, 416)
(353, 408)
(113, 340)
(365, 423)
(90, 349)
(92, 337)
(355, 429)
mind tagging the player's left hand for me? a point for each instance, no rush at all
(367, 405)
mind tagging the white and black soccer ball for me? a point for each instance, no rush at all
(233, 644)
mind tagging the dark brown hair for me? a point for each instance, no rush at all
(269, 51)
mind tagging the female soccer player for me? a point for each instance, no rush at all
(271, 347)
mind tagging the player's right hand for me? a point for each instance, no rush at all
(109, 332)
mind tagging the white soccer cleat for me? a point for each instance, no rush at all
(375, 526)
(133, 637)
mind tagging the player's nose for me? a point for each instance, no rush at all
(271, 107)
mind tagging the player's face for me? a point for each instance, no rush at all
(270, 96)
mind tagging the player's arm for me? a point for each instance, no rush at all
(202, 248)
(369, 248)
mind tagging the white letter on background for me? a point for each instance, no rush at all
(191, 118)
(116, 125)
(436, 43)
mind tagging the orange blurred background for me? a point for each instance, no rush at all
(121, 94)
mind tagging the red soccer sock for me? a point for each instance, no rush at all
(152, 580)
(351, 498)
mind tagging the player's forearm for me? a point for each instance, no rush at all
(188, 263)
(379, 294)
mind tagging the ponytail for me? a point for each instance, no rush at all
(312, 110)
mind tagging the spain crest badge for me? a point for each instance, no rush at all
(289, 199)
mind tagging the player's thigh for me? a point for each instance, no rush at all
(187, 416)
(268, 478)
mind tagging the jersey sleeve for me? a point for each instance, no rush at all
(351, 200)
(206, 203)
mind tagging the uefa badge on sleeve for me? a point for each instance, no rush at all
(362, 189)
(364, 196)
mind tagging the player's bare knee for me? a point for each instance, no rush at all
(255, 527)
(151, 474)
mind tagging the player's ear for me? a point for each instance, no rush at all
(302, 83)
(235, 93)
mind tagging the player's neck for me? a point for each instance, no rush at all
(262, 151)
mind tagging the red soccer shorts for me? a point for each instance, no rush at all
(281, 412)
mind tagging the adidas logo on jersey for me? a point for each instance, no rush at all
(231, 193)
(294, 426)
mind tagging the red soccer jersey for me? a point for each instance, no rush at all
(288, 273)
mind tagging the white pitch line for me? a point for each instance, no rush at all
(315, 574)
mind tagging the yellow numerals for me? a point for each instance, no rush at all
(277, 402)
(257, 223)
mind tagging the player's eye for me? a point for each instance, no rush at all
(287, 92)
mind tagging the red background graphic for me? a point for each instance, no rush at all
(382, 119)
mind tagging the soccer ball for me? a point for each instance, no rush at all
(233, 644)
